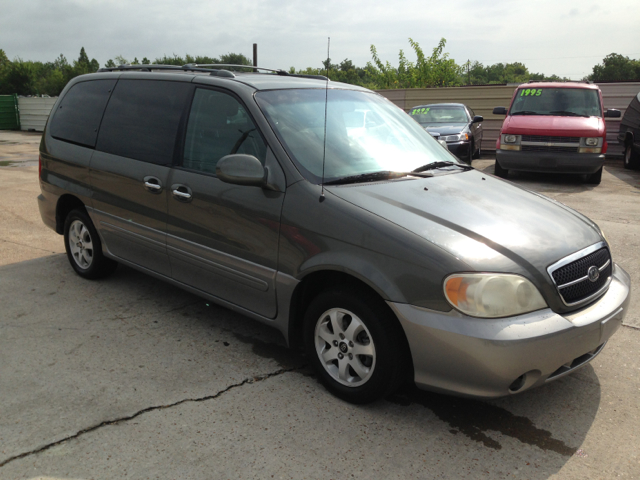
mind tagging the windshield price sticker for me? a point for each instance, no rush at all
(531, 92)
(419, 111)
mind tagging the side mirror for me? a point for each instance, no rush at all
(612, 113)
(479, 118)
(499, 111)
(240, 169)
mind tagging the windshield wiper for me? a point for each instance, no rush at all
(527, 112)
(375, 176)
(568, 114)
(435, 165)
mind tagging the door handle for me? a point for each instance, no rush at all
(152, 184)
(181, 192)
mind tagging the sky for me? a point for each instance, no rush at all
(562, 37)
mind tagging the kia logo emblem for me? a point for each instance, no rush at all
(593, 273)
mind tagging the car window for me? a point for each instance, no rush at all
(78, 116)
(142, 120)
(219, 125)
(439, 114)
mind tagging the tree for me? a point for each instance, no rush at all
(615, 67)
(110, 64)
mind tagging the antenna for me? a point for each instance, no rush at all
(326, 101)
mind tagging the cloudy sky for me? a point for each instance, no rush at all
(565, 37)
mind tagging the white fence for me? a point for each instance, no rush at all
(34, 112)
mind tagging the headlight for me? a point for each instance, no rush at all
(461, 137)
(492, 295)
(510, 139)
(591, 142)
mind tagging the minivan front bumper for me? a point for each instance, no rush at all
(462, 355)
(550, 162)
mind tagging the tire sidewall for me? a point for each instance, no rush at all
(384, 335)
(100, 266)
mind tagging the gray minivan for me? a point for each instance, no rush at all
(369, 245)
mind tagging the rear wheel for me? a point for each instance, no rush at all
(499, 171)
(595, 178)
(355, 344)
(631, 159)
(83, 246)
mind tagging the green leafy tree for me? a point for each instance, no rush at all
(615, 67)
(110, 64)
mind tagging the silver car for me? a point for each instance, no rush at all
(364, 242)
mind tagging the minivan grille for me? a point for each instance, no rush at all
(572, 280)
(549, 139)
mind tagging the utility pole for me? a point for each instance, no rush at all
(468, 73)
(255, 54)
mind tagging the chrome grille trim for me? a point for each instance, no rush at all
(572, 258)
(586, 277)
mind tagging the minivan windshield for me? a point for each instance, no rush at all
(431, 114)
(581, 102)
(365, 133)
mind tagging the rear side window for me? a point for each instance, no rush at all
(142, 120)
(78, 116)
(218, 126)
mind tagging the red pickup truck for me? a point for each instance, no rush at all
(554, 127)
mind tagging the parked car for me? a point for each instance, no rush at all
(374, 249)
(629, 134)
(554, 127)
(454, 123)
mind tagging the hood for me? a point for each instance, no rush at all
(444, 129)
(554, 126)
(489, 224)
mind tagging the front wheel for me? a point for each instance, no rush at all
(631, 159)
(83, 246)
(595, 178)
(356, 345)
(500, 172)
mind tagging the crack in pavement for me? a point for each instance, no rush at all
(246, 381)
(28, 246)
(631, 326)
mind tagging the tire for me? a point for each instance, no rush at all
(631, 159)
(478, 152)
(469, 156)
(500, 172)
(340, 323)
(595, 178)
(83, 246)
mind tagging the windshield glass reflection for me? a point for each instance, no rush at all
(365, 133)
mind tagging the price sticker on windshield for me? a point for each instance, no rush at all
(531, 92)
(420, 111)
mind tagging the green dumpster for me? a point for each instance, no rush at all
(9, 115)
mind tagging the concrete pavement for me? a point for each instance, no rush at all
(132, 378)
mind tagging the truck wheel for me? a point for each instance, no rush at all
(500, 172)
(83, 246)
(595, 178)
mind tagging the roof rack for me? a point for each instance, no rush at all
(195, 67)
(560, 81)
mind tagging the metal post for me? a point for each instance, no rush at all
(255, 54)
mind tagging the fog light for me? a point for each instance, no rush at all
(589, 150)
(509, 147)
